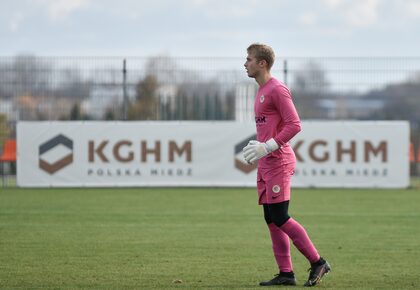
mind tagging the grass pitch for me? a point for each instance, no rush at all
(201, 238)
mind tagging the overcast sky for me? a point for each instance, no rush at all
(209, 27)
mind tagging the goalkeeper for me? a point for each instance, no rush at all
(277, 122)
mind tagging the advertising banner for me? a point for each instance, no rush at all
(129, 154)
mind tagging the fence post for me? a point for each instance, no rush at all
(285, 71)
(125, 100)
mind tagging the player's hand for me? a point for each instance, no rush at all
(256, 150)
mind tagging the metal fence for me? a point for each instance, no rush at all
(171, 88)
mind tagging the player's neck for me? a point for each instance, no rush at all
(263, 78)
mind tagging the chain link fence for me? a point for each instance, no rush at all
(171, 88)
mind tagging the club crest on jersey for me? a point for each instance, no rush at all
(262, 98)
(276, 188)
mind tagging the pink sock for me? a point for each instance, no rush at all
(300, 239)
(281, 248)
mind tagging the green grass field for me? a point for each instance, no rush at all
(206, 238)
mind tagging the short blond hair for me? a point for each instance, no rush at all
(262, 52)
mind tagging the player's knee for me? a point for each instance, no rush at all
(279, 213)
(280, 219)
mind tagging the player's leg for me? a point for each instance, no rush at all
(278, 196)
(295, 231)
(279, 215)
(280, 242)
(278, 191)
(281, 249)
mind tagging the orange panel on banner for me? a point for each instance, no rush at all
(418, 154)
(412, 153)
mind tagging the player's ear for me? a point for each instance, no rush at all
(262, 63)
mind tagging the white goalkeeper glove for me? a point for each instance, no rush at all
(256, 150)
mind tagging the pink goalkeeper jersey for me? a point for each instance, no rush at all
(276, 117)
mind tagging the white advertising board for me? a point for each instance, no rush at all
(106, 154)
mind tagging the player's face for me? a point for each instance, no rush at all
(252, 66)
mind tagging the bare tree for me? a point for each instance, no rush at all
(145, 106)
(310, 85)
(311, 78)
(30, 75)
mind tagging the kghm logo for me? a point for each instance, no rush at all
(55, 154)
(240, 162)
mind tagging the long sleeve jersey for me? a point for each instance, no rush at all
(276, 117)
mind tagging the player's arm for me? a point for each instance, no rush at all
(290, 118)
